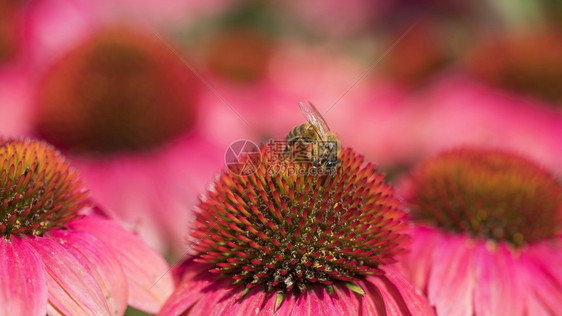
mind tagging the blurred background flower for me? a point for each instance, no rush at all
(486, 235)
(146, 97)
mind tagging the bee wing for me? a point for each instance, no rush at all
(316, 119)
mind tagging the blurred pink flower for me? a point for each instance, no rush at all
(487, 234)
(56, 257)
(125, 109)
(291, 242)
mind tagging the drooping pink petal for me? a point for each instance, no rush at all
(375, 287)
(536, 308)
(229, 302)
(417, 270)
(316, 301)
(303, 305)
(149, 279)
(259, 303)
(101, 264)
(216, 297)
(329, 303)
(287, 305)
(497, 290)
(188, 291)
(397, 286)
(346, 300)
(23, 278)
(543, 287)
(72, 289)
(391, 294)
(451, 280)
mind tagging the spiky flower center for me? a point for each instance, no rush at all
(530, 63)
(119, 91)
(39, 190)
(487, 194)
(283, 226)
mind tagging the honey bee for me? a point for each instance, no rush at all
(314, 140)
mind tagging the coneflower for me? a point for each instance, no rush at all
(287, 240)
(123, 106)
(55, 259)
(487, 234)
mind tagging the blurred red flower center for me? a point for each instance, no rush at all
(119, 91)
(39, 190)
(488, 194)
(240, 55)
(8, 28)
(284, 227)
(529, 63)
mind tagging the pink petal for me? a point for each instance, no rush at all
(537, 308)
(230, 302)
(72, 289)
(189, 290)
(259, 302)
(304, 305)
(217, 299)
(24, 281)
(54, 27)
(329, 303)
(287, 305)
(372, 303)
(100, 263)
(451, 280)
(398, 296)
(396, 284)
(498, 290)
(316, 301)
(346, 300)
(543, 284)
(148, 275)
(15, 99)
(416, 264)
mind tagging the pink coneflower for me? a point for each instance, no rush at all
(487, 234)
(55, 258)
(124, 107)
(290, 241)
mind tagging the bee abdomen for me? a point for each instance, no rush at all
(297, 134)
